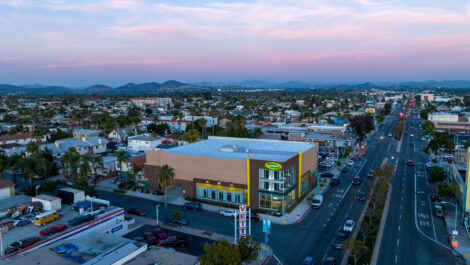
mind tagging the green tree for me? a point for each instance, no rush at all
(428, 128)
(437, 174)
(221, 253)
(95, 162)
(192, 135)
(166, 177)
(257, 133)
(356, 247)
(202, 123)
(249, 249)
(85, 168)
(446, 190)
(122, 157)
(70, 161)
(26, 165)
(32, 147)
(135, 172)
(213, 113)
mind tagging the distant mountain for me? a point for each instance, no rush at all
(443, 83)
(97, 89)
(19, 90)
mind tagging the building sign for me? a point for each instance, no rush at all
(273, 165)
(266, 226)
(115, 229)
(370, 110)
(242, 221)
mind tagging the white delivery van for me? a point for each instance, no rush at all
(317, 201)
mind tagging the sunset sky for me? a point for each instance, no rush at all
(82, 42)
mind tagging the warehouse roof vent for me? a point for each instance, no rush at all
(229, 148)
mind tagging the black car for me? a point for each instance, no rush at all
(195, 206)
(334, 181)
(179, 221)
(329, 261)
(361, 196)
(356, 180)
(80, 220)
(254, 216)
(412, 144)
(327, 175)
(345, 169)
(338, 243)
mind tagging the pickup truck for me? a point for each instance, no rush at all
(19, 245)
(173, 241)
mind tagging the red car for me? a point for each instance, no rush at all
(410, 163)
(136, 211)
(21, 244)
(159, 233)
(174, 241)
(52, 229)
(150, 238)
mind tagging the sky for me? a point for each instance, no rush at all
(113, 42)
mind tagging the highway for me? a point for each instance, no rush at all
(413, 235)
(313, 236)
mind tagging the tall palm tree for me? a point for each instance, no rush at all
(70, 160)
(85, 168)
(166, 178)
(122, 158)
(202, 122)
(135, 172)
(96, 161)
(213, 113)
(26, 165)
(32, 147)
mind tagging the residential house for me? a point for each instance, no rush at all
(118, 136)
(80, 133)
(85, 145)
(7, 188)
(143, 143)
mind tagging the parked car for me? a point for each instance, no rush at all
(195, 206)
(308, 261)
(327, 175)
(438, 209)
(52, 229)
(412, 144)
(361, 196)
(370, 174)
(174, 241)
(229, 213)
(329, 261)
(334, 181)
(135, 211)
(159, 233)
(21, 222)
(348, 226)
(254, 216)
(179, 221)
(429, 165)
(356, 180)
(317, 201)
(21, 244)
(410, 163)
(80, 220)
(435, 197)
(338, 243)
(350, 162)
(150, 238)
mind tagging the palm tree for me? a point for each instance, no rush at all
(135, 171)
(202, 122)
(70, 160)
(257, 132)
(122, 158)
(96, 161)
(85, 166)
(213, 113)
(26, 165)
(32, 147)
(166, 178)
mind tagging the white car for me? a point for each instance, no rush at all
(229, 213)
(423, 138)
(447, 156)
(350, 163)
(412, 135)
(348, 226)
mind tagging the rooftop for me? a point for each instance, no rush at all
(241, 148)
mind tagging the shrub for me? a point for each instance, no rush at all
(48, 186)
(175, 214)
(446, 190)
(437, 174)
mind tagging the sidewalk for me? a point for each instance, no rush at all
(265, 253)
(462, 238)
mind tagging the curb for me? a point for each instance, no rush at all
(302, 217)
(383, 220)
(266, 259)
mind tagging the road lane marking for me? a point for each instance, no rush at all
(398, 242)
(432, 219)
(400, 216)
(398, 228)
(396, 258)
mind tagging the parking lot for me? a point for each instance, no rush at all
(196, 243)
(30, 230)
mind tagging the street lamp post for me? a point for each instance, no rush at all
(156, 210)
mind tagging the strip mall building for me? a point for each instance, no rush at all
(263, 174)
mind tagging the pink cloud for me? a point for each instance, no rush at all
(343, 31)
(9, 58)
(173, 31)
(105, 62)
(357, 55)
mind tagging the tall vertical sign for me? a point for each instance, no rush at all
(242, 224)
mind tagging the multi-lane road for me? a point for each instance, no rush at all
(412, 234)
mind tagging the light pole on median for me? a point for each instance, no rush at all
(156, 210)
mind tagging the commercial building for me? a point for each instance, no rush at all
(263, 174)
(443, 116)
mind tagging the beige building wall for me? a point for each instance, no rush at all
(310, 159)
(188, 167)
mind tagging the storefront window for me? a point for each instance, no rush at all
(229, 196)
(304, 186)
(221, 195)
(277, 202)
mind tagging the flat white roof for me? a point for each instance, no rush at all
(241, 148)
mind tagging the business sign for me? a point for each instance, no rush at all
(242, 221)
(115, 229)
(273, 165)
(370, 110)
(266, 226)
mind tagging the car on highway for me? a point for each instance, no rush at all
(308, 261)
(334, 181)
(195, 206)
(52, 229)
(361, 196)
(80, 220)
(410, 163)
(356, 180)
(329, 261)
(338, 243)
(173, 241)
(429, 165)
(405, 132)
(412, 144)
(382, 137)
(135, 211)
(423, 138)
(350, 162)
(370, 174)
(390, 135)
(348, 226)
(228, 213)
(345, 169)
(435, 197)
(21, 244)
(448, 156)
